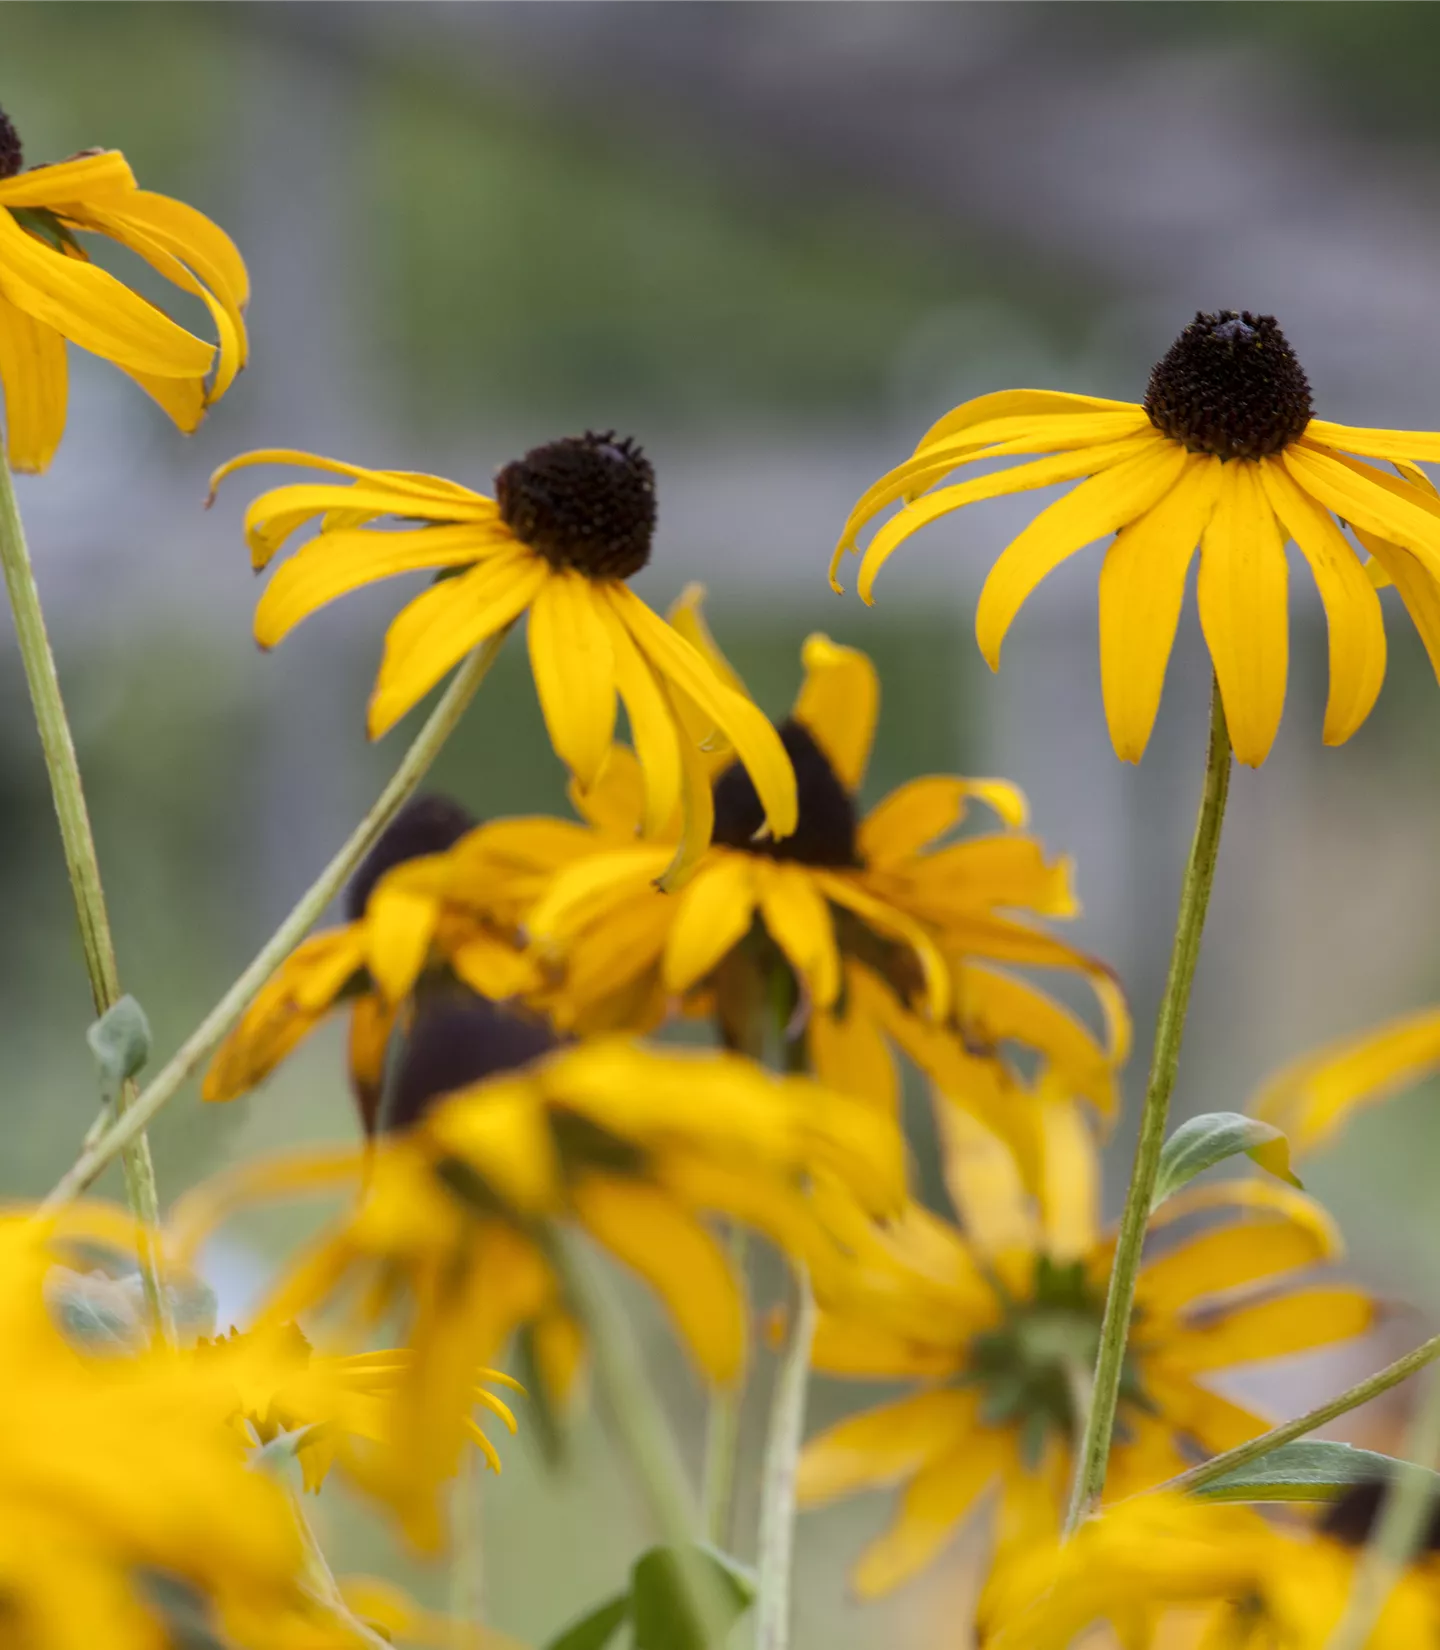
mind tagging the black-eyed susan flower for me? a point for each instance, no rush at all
(1225, 454)
(998, 1325)
(51, 293)
(1167, 1571)
(450, 1232)
(569, 525)
(893, 934)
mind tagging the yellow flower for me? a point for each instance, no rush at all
(889, 930)
(1224, 453)
(997, 1322)
(50, 292)
(571, 522)
(1157, 1565)
(450, 1231)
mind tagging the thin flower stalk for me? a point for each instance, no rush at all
(778, 1473)
(311, 904)
(1094, 1453)
(722, 1433)
(81, 862)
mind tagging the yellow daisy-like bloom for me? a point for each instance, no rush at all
(1165, 1570)
(450, 1231)
(50, 292)
(891, 932)
(996, 1322)
(1223, 453)
(571, 522)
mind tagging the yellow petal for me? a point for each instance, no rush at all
(883, 1445)
(35, 378)
(193, 237)
(712, 915)
(1257, 1192)
(864, 1350)
(399, 926)
(848, 1051)
(838, 703)
(1228, 1257)
(657, 749)
(1312, 1097)
(574, 666)
(1352, 609)
(439, 628)
(1293, 1322)
(1125, 489)
(1423, 445)
(845, 889)
(1215, 1423)
(916, 813)
(1142, 589)
(653, 1234)
(1243, 591)
(1018, 404)
(997, 1007)
(686, 614)
(182, 400)
(83, 177)
(1365, 497)
(92, 309)
(334, 564)
(697, 798)
(1070, 1182)
(798, 919)
(985, 1184)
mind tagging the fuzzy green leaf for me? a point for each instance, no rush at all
(658, 1610)
(120, 1042)
(1205, 1141)
(1311, 1469)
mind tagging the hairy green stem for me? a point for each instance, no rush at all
(777, 1474)
(163, 1087)
(81, 862)
(1286, 1433)
(1094, 1453)
(322, 1586)
(722, 1432)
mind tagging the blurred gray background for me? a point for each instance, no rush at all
(773, 242)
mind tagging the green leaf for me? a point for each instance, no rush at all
(1312, 1469)
(595, 1630)
(1204, 1141)
(658, 1610)
(120, 1042)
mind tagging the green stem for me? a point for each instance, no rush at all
(311, 905)
(1352, 1398)
(467, 1558)
(777, 1474)
(722, 1433)
(639, 1423)
(322, 1586)
(1094, 1452)
(1399, 1530)
(81, 862)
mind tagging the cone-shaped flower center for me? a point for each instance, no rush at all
(1230, 385)
(825, 834)
(1025, 1366)
(1350, 1517)
(585, 503)
(458, 1039)
(12, 156)
(425, 825)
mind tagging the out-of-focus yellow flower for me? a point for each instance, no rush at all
(451, 1229)
(1000, 1322)
(50, 292)
(571, 523)
(1223, 453)
(1163, 1566)
(891, 933)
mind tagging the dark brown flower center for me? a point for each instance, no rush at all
(1351, 1516)
(458, 1039)
(586, 503)
(825, 834)
(1230, 385)
(426, 825)
(12, 156)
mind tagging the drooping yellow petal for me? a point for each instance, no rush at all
(673, 1252)
(1312, 1097)
(193, 237)
(1021, 404)
(1070, 1181)
(1227, 1257)
(1123, 491)
(846, 890)
(697, 798)
(1366, 497)
(336, 563)
(574, 665)
(686, 614)
(1142, 588)
(1243, 590)
(35, 378)
(1256, 1192)
(713, 914)
(884, 1445)
(1293, 1322)
(1423, 445)
(400, 925)
(104, 173)
(916, 813)
(798, 919)
(1418, 586)
(848, 1051)
(439, 628)
(838, 704)
(985, 1185)
(657, 747)
(1352, 609)
(1215, 1423)
(864, 1350)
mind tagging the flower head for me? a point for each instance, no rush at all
(51, 293)
(1223, 453)
(994, 1321)
(570, 523)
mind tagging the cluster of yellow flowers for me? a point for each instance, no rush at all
(719, 871)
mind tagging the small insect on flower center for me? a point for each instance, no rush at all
(12, 156)
(825, 834)
(1230, 385)
(586, 503)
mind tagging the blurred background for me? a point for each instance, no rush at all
(773, 242)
